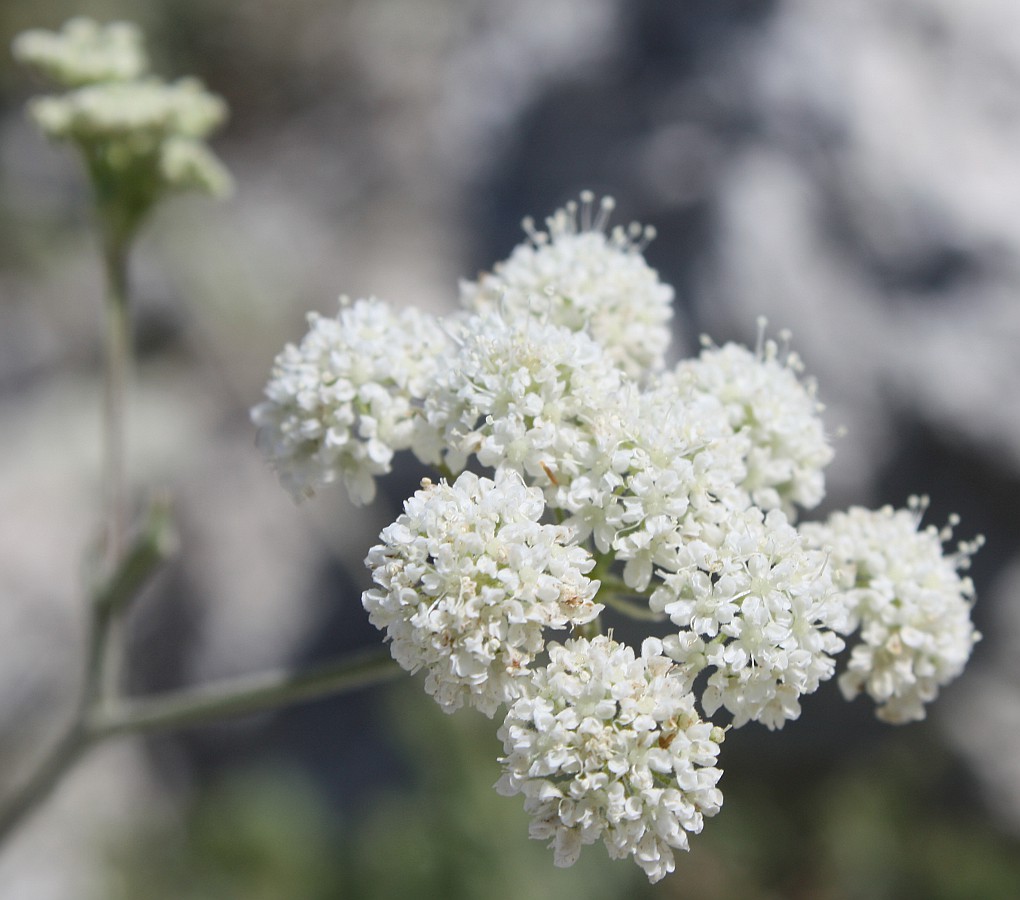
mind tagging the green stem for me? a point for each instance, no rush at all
(117, 363)
(153, 546)
(98, 720)
(124, 569)
(614, 593)
(588, 630)
(243, 695)
(42, 781)
(149, 550)
(637, 610)
(445, 472)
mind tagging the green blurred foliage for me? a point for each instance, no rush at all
(899, 823)
(258, 835)
(444, 834)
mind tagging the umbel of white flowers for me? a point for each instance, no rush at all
(670, 495)
(141, 137)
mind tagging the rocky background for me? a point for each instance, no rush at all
(850, 171)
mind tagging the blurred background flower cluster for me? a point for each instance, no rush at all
(850, 171)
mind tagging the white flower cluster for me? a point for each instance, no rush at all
(606, 744)
(671, 471)
(341, 403)
(765, 398)
(579, 276)
(132, 125)
(145, 111)
(759, 609)
(84, 52)
(908, 600)
(677, 492)
(521, 393)
(469, 579)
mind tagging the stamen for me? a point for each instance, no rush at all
(648, 235)
(786, 356)
(528, 224)
(587, 198)
(606, 207)
(759, 345)
(570, 217)
(918, 505)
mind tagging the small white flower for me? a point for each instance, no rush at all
(581, 277)
(84, 52)
(140, 135)
(468, 581)
(607, 745)
(766, 400)
(909, 601)
(348, 397)
(758, 608)
(186, 163)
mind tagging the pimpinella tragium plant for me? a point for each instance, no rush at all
(579, 477)
(140, 136)
(570, 476)
(141, 139)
